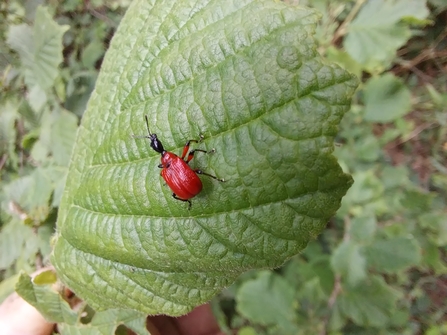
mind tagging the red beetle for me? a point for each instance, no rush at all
(181, 179)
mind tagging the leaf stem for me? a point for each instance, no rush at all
(341, 30)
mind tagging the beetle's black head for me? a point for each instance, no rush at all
(156, 144)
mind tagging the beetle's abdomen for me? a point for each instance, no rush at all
(181, 179)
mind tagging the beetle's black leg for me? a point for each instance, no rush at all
(161, 167)
(184, 200)
(191, 154)
(198, 171)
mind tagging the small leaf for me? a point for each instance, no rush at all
(322, 269)
(369, 304)
(386, 98)
(31, 193)
(394, 176)
(375, 34)
(30, 117)
(8, 116)
(342, 58)
(59, 178)
(438, 98)
(45, 278)
(63, 133)
(362, 45)
(20, 38)
(247, 331)
(311, 291)
(337, 320)
(297, 272)
(109, 320)
(104, 323)
(44, 234)
(91, 53)
(47, 301)
(393, 254)
(79, 90)
(433, 259)
(269, 301)
(37, 98)
(418, 201)
(436, 225)
(31, 246)
(366, 188)
(349, 261)
(363, 228)
(39, 48)
(367, 148)
(66, 329)
(57, 136)
(13, 236)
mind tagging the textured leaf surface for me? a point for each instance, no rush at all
(247, 76)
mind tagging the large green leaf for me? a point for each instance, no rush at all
(246, 75)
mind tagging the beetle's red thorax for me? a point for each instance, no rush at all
(179, 176)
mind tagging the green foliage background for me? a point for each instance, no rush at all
(379, 267)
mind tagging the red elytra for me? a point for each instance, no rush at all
(178, 175)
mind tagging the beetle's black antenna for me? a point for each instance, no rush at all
(147, 125)
(148, 130)
(155, 142)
